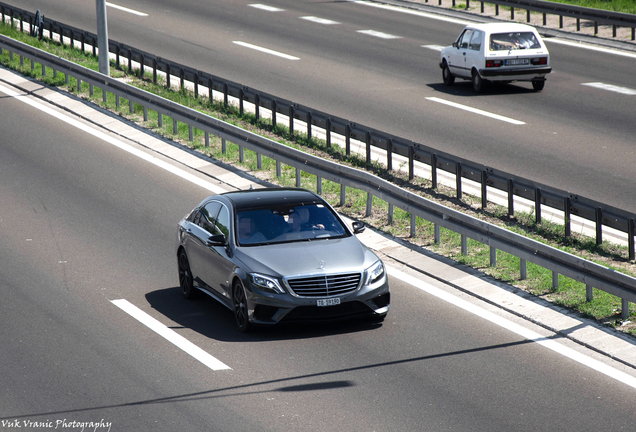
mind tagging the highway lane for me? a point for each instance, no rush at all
(575, 137)
(83, 223)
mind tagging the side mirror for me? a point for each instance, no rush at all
(358, 227)
(216, 240)
(455, 45)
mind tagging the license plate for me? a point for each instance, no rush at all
(514, 62)
(329, 302)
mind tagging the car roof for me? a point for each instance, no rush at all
(271, 197)
(502, 27)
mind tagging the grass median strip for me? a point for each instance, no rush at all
(571, 294)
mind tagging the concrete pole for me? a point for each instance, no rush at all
(102, 37)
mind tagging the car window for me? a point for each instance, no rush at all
(222, 222)
(513, 41)
(280, 225)
(466, 38)
(475, 41)
(208, 215)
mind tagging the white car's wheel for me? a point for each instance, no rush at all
(478, 82)
(538, 85)
(448, 77)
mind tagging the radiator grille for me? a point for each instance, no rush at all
(325, 285)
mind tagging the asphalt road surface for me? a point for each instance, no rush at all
(379, 67)
(87, 228)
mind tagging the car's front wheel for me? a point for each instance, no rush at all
(448, 77)
(240, 307)
(478, 82)
(186, 282)
(538, 85)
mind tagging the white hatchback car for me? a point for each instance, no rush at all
(501, 52)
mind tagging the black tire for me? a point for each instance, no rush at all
(448, 77)
(240, 308)
(186, 282)
(538, 85)
(478, 82)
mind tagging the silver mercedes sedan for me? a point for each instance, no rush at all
(279, 255)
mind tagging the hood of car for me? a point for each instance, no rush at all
(307, 257)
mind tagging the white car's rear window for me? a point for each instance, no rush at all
(513, 41)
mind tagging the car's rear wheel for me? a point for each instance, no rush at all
(538, 85)
(186, 282)
(240, 307)
(448, 77)
(478, 82)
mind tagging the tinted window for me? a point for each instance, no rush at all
(223, 222)
(279, 225)
(208, 215)
(513, 41)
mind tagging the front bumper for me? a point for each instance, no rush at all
(266, 309)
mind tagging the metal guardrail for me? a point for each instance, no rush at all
(597, 16)
(542, 195)
(559, 262)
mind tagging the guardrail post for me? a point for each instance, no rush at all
(436, 234)
(484, 192)
(210, 90)
(390, 215)
(168, 76)
(257, 107)
(190, 132)
(589, 293)
(493, 256)
(511, 198)
(241, 95)
(496, 9)
(523, 269)
(599, 226)
(259, 161)
(348, 140)
(141, 66)
(154, 71)
(467, 4)
(297, 177)
(537, 205)
(343, 195)
(578, 24)
(131, 106)
(464, 242)
(319, 185)
(225, 95)
(196, 86)
(159, 119)
(369, 204)
(274, 113)
(207, 139)
(561, 22)
(224, 146)
(389, 154)
(90, 88)
(528, 15)
(630, 238)
(175, 126)
(328, 133)
(624, 309)
(367, 142)
(434, 171)
(291, 120)
(79, 85)
(129, 60)
(182, 79)
(411, 163)
(308, 125)
(241, 154)
(413, 226)
(544, 18)
(512, 13)
(458, 179)
(566, 213)
(555, 279)
(278, 169)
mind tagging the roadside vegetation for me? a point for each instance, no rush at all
(604, 308)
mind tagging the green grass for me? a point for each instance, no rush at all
(571, 294)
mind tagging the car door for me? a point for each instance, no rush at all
(457, 56)
(474, 56)
(218, 258)
(197, 234)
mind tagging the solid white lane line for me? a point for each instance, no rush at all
(117, 143)
(121, 8)
(476, 111)
(170, 335)
(319, 20)
(515, 328)
(379, 34)
(433, 47)
(414, 12)
(590, 47)
(612, 88)
(266, 50)
(266, 7)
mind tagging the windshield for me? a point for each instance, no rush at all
(280, 225)
(513, 41)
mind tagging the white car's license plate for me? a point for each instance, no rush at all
(329, 302)
(514, 62)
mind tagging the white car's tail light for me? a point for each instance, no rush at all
(493, 63)
(540, 61)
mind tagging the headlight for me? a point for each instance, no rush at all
(374, 273)
(266, 283)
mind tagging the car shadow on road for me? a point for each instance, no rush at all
(465, 89)
(213, 320)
